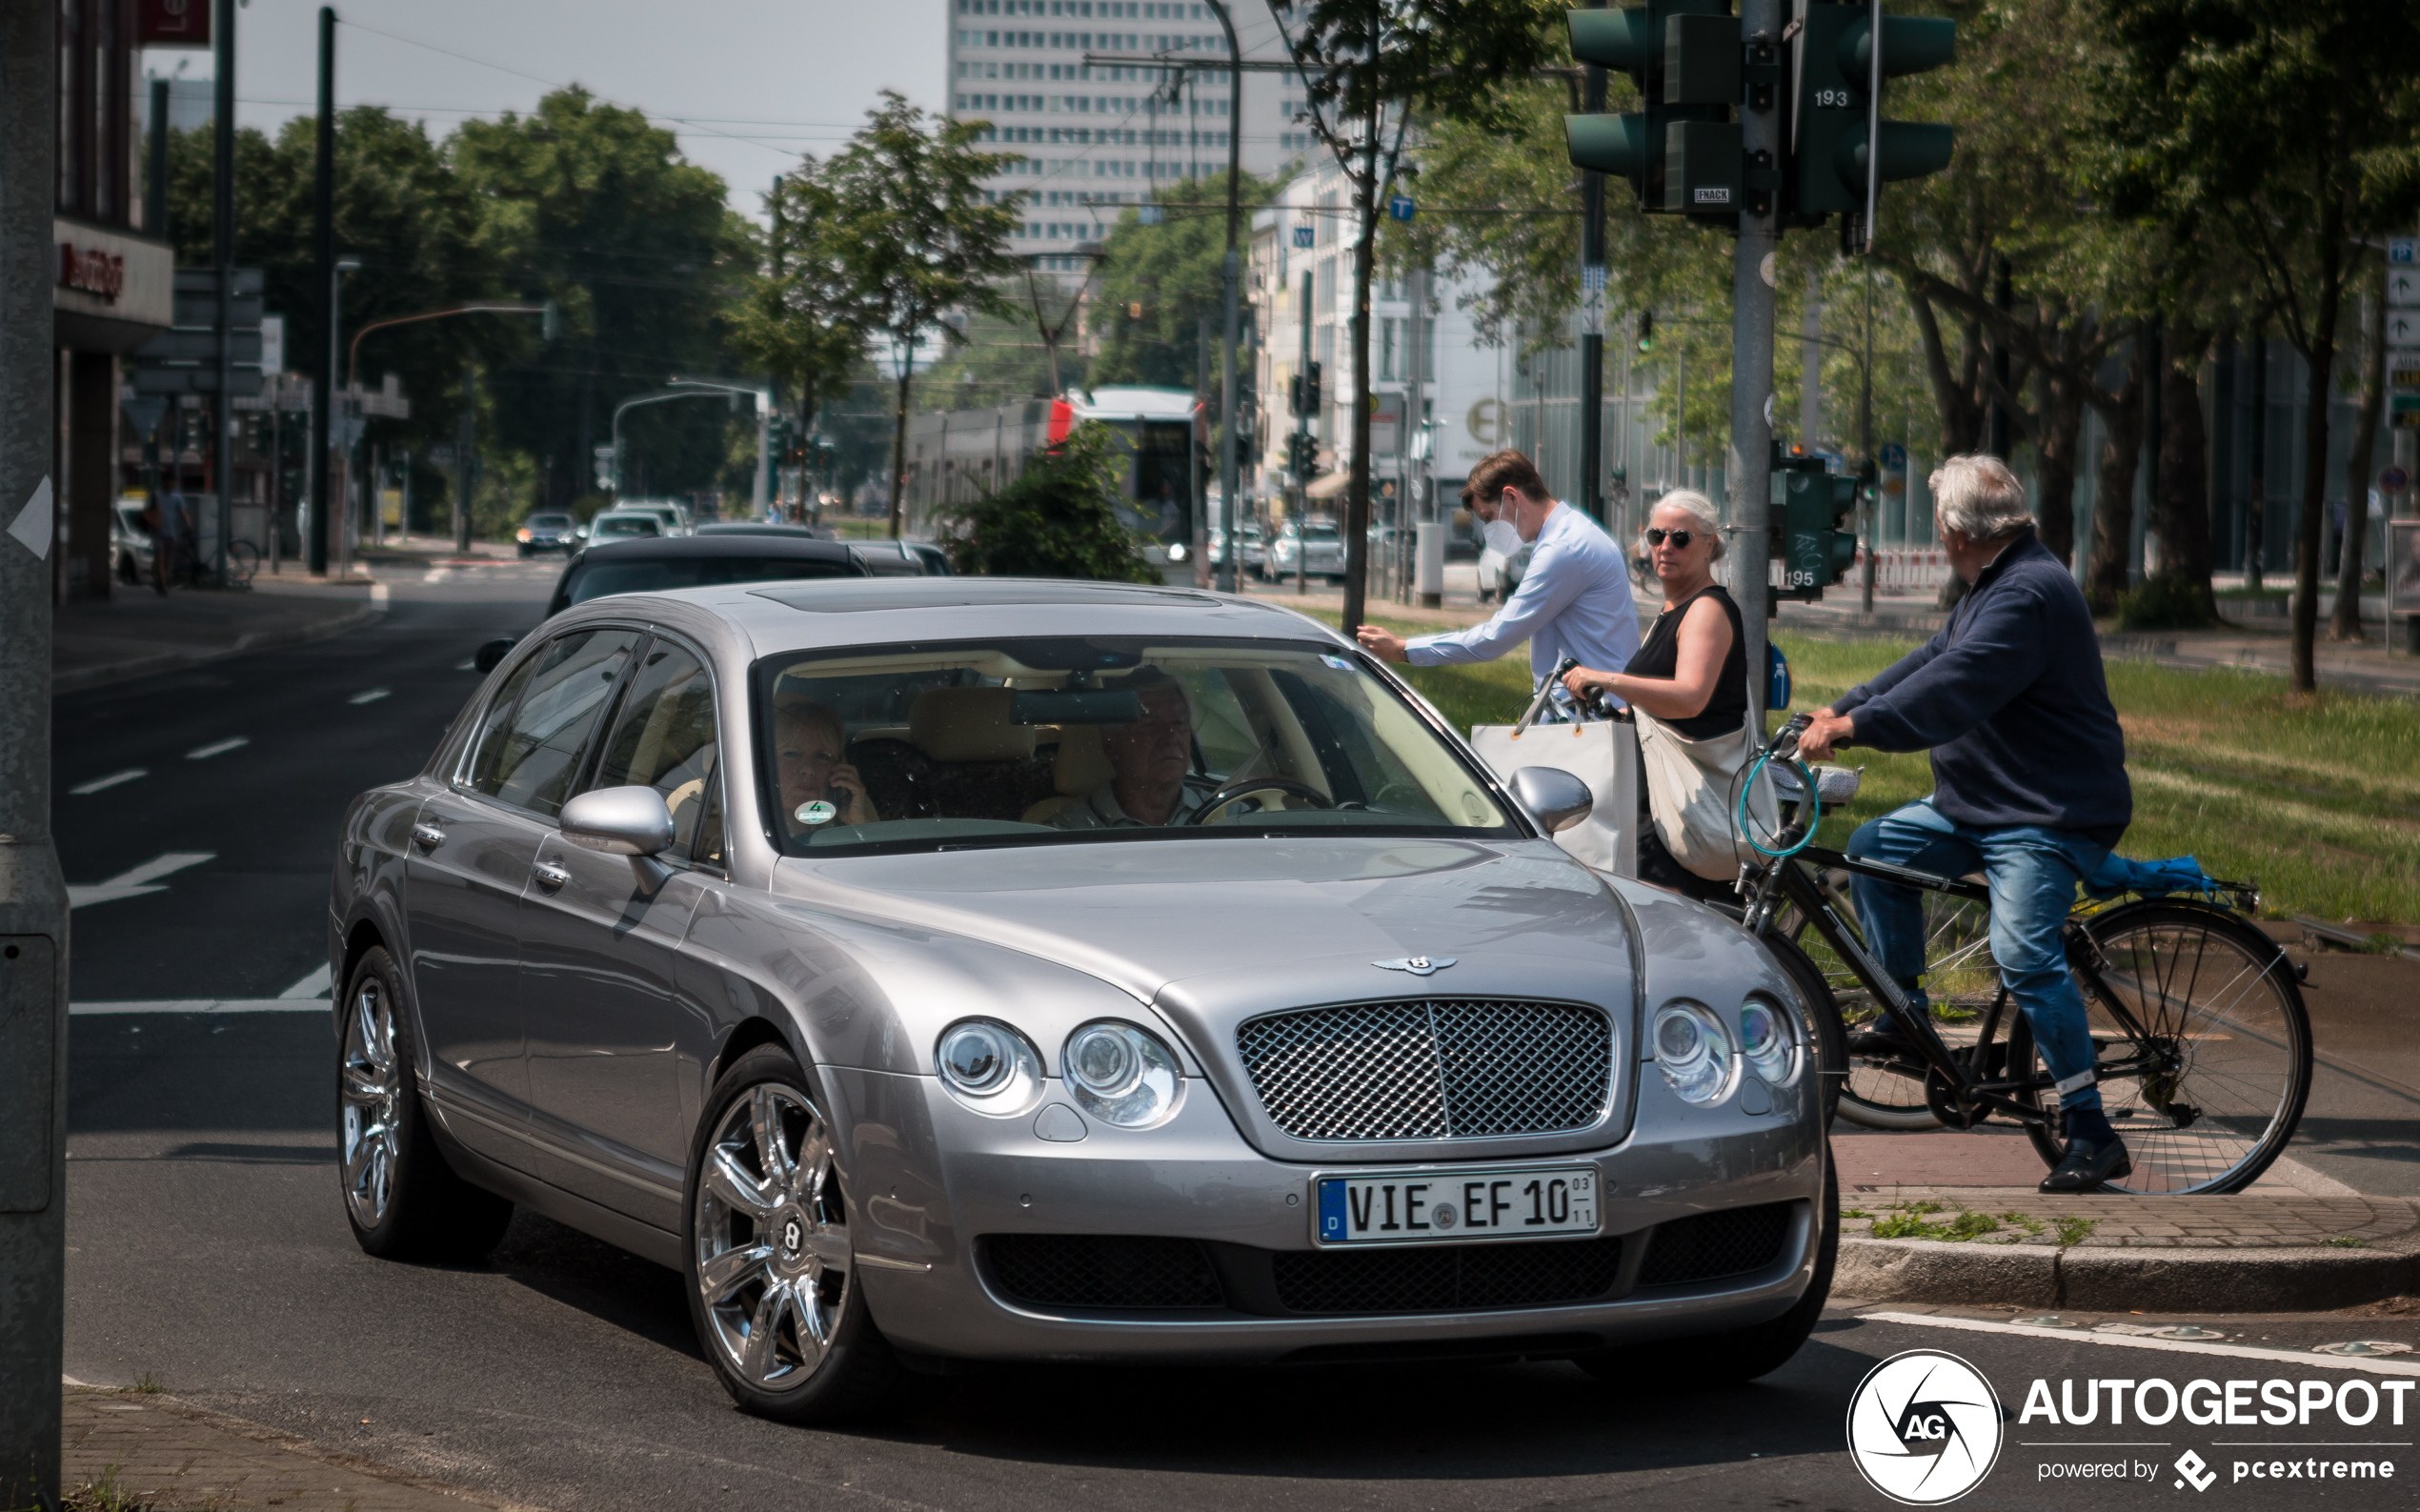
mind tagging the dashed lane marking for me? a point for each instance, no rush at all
(99, 784)
(142, 880)
(204, 752)
(466, 666)
(368, 696)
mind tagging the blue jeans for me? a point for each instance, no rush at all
(2032, 872)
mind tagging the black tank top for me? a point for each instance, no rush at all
(1661, 652)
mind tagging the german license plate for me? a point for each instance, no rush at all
(1431, 1207)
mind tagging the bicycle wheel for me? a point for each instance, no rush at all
(1819, 1024)
(1960, 980)
(243, 559)
(2221, 1010)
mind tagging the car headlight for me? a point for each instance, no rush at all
(1693, 1052)
(1121, 1075)
(989, 1066)
(521, 534)
(1768, 1041)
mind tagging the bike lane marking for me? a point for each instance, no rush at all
(139, 882)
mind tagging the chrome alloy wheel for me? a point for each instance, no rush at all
(773, 1240)
(371, 1091)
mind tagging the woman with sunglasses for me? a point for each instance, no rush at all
(1692, 670)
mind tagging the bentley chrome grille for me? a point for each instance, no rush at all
(1440, 1069)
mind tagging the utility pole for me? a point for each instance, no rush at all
(466, 436)
(1304, 453)
(323, 429)
(1868, 502)
(1750, 463)
(33, 898)
(223, 253)
(1231, 274)
(1592, 304)
(1196, 516)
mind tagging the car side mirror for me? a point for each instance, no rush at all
(618, 821)
(494, 652)
(1557, 798)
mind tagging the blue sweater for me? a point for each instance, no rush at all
(2011, 701)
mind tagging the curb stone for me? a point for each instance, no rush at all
(2273, 1279)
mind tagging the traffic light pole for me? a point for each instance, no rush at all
(323, 427)
(1302, 450)
(1231, 294)
(33, 894)
(1750, 463)
(1592, 339)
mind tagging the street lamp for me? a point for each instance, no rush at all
(764, 428)
(335, 418)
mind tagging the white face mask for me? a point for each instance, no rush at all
(1502, 538)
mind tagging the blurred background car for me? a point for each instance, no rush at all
(1315, 549)
(129, 542)
(545, 533)
(621, 524)
(1256, 550)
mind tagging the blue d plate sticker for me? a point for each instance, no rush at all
(816, 813)
(1337, 662)
(1332, 1211)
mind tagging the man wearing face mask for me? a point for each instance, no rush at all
(1574, 601)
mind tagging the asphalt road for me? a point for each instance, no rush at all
(209, 1252)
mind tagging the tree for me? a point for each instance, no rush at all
(917, 238)
(1369, 66)
(2287, 133)
(1058, 520)
(1158, 281)
(798, 320)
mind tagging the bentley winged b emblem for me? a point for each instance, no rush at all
(1416, 966)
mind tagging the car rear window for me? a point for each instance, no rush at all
(548, 522)
(624, 525)
(597, 579)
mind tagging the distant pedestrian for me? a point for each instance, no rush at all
(1574, 600)
(168, 542)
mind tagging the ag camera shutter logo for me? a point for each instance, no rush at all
(1924, 1427)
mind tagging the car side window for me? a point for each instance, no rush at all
(703, 846)
(488, 742)
(530, 762)
(663, 735)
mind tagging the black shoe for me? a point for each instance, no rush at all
(2086, 1166)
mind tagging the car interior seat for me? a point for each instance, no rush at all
(1079, 767)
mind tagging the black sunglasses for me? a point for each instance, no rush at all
(1656, 535)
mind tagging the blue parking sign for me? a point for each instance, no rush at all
(2403, 249)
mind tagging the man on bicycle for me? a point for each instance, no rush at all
(2030, 785)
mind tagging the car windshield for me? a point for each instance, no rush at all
(606, 525)
(548, 522)
(1014, 742)
(595, 580)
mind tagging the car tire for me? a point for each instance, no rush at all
(1742, 1354)
(402, 1199)
(772, 1277)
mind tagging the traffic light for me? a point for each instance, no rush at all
(1302, 455)
(1680, 151)
(1807, 539)
(1834, 67)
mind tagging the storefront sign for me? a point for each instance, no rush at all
(173, 23)
(92, 269)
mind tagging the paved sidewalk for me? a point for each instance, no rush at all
(137, 632)
(126, 1450)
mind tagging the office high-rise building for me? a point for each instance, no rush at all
(1098, 135)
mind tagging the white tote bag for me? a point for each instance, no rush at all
(1692, 790)
(1605, 754)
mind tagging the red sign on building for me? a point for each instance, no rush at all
(173, 23)
(92, 270)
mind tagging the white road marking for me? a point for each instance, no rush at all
(202, 1005)
(1977, 1325)
(204, 752)
(139, 882)
(466, 666)
(368, 696)
(438, 575)
(314, 985)
(112, 781)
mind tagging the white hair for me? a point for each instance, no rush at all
(1699, 509)
(1977, 496)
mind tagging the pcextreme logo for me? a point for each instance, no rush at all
(1924, 1427)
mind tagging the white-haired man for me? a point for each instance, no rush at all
(2029, 783)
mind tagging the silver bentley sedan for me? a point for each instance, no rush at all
(946, 969)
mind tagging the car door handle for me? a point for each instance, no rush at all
(427, 837)
(550, 876)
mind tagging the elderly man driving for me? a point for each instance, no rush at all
(2029, 785)
(1149, 763)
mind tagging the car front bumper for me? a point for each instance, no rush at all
(932, 1183)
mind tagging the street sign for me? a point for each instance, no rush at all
(2394, 480)
(1303, 235)
(1400, 208)
(1894, 457)
(2402, 370)
(2403, 249)
(2403, 288)
(1592, 299)
(2407, 410)
(2402, 328)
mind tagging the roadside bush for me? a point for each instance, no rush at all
(2166, 603)
(1058, 520)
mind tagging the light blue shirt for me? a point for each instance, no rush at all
(1574, 601)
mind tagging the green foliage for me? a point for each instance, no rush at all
(2074, 1230)
(1058, 520)
(799, 319)
(2166, 602)
(1159, 282)
(1907, 1221)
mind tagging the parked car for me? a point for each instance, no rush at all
(1316, 549)
(129, 542)
(949, 1068)
(545, 533)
